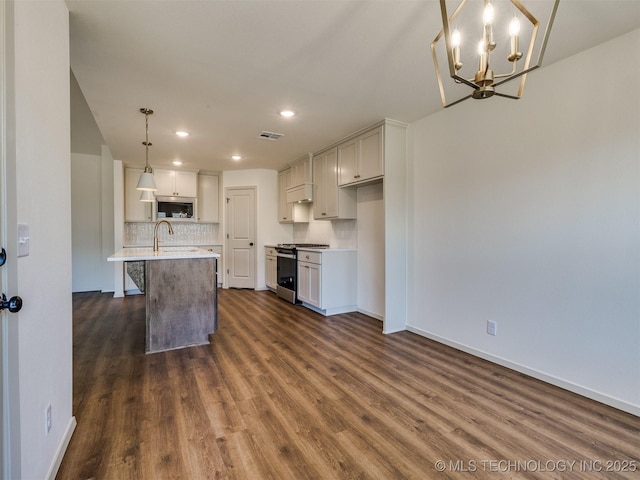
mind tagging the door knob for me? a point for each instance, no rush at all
(14, 304)
(251, 244)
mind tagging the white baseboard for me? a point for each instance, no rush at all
(558, 382)
(62, 448)
(371, 314)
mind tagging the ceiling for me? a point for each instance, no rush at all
(223, 69)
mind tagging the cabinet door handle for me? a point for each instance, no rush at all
(324, 213)
(307, 257)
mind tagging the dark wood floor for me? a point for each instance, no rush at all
(284, 393)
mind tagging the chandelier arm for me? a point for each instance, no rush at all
(458, 101)
(519, 74)
(506, 75)
(468, 82)
(547, 31)
(514, 97)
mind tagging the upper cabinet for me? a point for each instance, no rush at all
(208, 210)
(301, 172)
(331, 202)
(289, 212)
(300, 185)
(172, 183)
(361, 159)
(134, 209)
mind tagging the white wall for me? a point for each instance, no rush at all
(86, 222)
(38, 172)
(85, 134)
(92, 221)
(268, 230)
(92, 199)
(527, 213)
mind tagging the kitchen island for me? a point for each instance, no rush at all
(181, 295)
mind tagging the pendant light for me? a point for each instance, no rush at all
(497, 27)
(146, 183)
(147, 196)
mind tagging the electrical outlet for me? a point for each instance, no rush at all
(47, 419)
(492, 327)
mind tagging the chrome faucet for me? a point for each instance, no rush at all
(155, 233)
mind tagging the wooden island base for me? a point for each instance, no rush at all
(181, 303)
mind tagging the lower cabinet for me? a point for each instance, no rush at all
(271, 268)
(327, 280)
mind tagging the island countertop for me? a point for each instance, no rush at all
(135, 254)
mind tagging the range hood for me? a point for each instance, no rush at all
(300, 193)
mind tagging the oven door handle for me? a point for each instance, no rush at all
(286, 255)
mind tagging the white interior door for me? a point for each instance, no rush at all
(241, 237)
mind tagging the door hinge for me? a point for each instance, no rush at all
(227, 235)
(227, 271)
(228, 200)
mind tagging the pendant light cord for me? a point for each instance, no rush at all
(146, 143)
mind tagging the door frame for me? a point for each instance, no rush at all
(5, 466)
(9, 393)
(227, 250)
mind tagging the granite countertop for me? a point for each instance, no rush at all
(165, 253)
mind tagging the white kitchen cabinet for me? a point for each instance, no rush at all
(361, 159)
(208, 210)
(300, 181)
(289, 212)
(301, 172)
(327, 280)
(309, 283)
(271, 268)
(329, 201)
(134, 209)
(174, 183)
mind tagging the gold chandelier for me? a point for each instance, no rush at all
(500, 27)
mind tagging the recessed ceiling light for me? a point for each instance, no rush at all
(177, 162)
(236, 157)
(182, 134)
(287, 113)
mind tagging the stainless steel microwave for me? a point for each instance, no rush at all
(176, 208)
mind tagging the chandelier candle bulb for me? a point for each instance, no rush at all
(514, 31)
(487, 18)
(456, 39)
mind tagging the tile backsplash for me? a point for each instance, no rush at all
(337, 233)
(140, 234)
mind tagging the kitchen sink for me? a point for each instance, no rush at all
(179, 249)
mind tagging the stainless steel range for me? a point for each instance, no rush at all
(287, 265)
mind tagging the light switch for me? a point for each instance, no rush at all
(23, 240)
